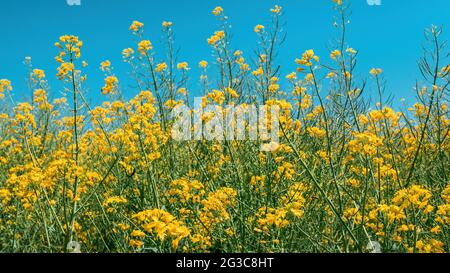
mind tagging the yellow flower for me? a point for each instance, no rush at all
(105, 65)
(161, 67)
(307, 57)
(334, 54)
(39, 73)
(64, 69)
(127, 52)
(136, 243)
(111, 83)
(5, 85)
(446, 69)
(162, 225)
(171, 104)
(353, 215)
(258, 28)
(70, 45)
(218, 35)
(137, 233)
(351, 51)
(114, 200)
(273, 87)
(182, 91)
(203, 64)
(375, 71)
(216, 96)
(231, 92)
(258, 72)
(167, 24)
(291, 76)
(144, 46)
(436, 230)
(331, 75)
(276, 9)
(184, 191)
(136, 26)
(316, 132)
(217, 11)
(182, 66)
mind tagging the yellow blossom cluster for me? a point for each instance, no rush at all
(329, 171)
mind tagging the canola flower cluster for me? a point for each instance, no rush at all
(343, 175)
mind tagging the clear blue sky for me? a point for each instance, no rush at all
(387, 36)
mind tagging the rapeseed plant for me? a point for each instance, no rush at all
(342, 176)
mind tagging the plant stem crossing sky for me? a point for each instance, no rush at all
(389, 36)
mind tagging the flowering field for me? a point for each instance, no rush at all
(341, 173)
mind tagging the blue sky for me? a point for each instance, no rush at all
(389, 36)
